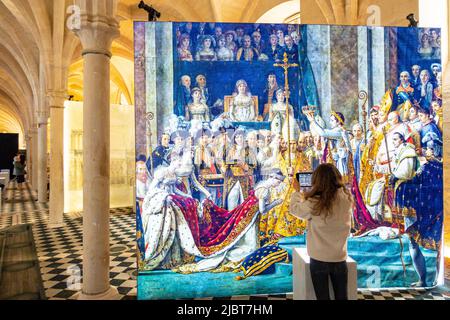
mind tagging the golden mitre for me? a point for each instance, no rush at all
(403, 109)
(386, 102)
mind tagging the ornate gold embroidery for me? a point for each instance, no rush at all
(241, 225)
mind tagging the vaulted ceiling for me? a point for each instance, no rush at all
(36, 41)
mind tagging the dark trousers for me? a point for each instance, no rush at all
(337, 271)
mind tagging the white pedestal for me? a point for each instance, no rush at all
(5, 175)
(2, 190)
(302, 283)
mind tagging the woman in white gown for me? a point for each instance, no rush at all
(242, 108)
(176, 230)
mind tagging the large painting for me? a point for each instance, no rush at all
(227, 114)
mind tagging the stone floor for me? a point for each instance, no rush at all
(60, 253)
(60, 250)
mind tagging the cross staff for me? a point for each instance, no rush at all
(149, 116)
(364, 96)
(285, 65)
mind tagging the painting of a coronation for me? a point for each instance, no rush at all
(228, 114)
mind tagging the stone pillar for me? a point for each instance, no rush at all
(29, 152)
(34, 157)
(42, 156)
(56, 103)
(96, 35)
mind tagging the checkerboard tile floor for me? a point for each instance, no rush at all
(20, 200)
(60, 250)
(60, 253)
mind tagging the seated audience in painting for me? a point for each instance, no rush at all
(296, 37)
(222, 51)
(206, 51)
(280, 36)
(291, 28)
(217, 33)
(239, 36)
(290, 49)
(187, 28)
(257, 42)
(247, 52)
(273, 49)
(425, 49)
(184, 48)
(435, 43)
(210, 28)
(230, 37)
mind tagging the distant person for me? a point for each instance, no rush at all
(19, 169)
(327, 207)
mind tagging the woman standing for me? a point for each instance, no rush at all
(327, 208)
(197, 110)
(19, 169)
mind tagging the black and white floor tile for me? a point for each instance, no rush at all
(60, 250)
(60, 253)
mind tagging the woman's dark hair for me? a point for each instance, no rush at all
(326, 181)
(22, 159)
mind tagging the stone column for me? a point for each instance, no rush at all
(96, 35)
(34, 157)
(56, 103)
(29, 152)
(42, 156)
